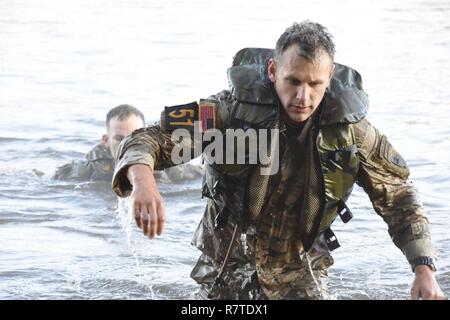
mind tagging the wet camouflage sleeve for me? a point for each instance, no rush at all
(383, 174)
(99, 165)
(153, 145)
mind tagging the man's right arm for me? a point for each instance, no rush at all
(150, 149)
(139, 154)
(148, 206)
(147, 146)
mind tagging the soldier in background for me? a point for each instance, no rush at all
(99, 163)
(100, 160)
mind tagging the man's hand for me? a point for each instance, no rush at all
(147, 203)
(425, 285)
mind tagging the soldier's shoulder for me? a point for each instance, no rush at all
(99, 152)
(362, 130)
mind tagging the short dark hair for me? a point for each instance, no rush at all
(122, 112)
(311, 38)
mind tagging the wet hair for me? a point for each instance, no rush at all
(311, 38)
(123, 112)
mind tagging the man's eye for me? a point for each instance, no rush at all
(294, 82)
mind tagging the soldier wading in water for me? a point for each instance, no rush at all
(269, 236)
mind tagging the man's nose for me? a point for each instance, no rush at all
(302, 93)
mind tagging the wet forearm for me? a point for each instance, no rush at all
(139, 174)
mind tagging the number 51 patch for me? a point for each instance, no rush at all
(183, 116)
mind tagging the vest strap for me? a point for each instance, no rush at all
(331, 240)
(344, 212)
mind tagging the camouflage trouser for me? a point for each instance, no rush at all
(253, 273)
(295, 283)
(243, 283)
(298, 275)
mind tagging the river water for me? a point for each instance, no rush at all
(64, 64)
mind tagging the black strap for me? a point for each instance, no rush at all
(331, 239)
(344, 212)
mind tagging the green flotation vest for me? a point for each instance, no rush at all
(256, 106)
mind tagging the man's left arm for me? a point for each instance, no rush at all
(383, 174)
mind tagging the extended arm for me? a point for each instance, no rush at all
(383, 174)
(150, 149)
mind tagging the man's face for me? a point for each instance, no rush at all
(300, 83)
(118, 130)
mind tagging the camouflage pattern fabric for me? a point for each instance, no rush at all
(98, 165)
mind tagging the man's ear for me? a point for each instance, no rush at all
(105, 140)
(272, 69)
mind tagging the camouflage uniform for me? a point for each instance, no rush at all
(99, 165)
(268, 259)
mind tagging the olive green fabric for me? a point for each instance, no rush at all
(98, 165)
